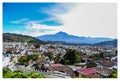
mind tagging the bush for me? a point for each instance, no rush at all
(25, 59)
(18, 74)
(35, 75)
(7, 73)
(113, 74)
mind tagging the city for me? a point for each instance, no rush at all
(91, 62)
(59, 40)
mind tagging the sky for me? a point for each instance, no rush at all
(80, 19)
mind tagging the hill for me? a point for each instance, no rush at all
(11, 37)
(110, 43)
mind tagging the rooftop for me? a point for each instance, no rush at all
(56, 65)
(87, 71)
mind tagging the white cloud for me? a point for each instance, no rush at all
(57, 9)
(19, 21)
(60, 8)
(91, 19)
(86, 19)
(36, 29)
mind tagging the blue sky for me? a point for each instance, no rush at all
(16, 15)
(81, 19)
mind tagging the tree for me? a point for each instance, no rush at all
(22, 60)
(30, 41)
(49, 54)
(37, 45)
(25, 59)
(91, 64)
(77, 58)
(35, 57)
(113, 74)
(98, 56)
(71, 57)
(101, 55)
(57, 58)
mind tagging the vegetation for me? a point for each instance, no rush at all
(7, 73)
(57, 58)
(98, 56)
(91, 64)
(10, 37)
(113, 74)
(83, 76)
(37, 45)
(35, 75)
(101, 55)
(49, 54)
(23, 60)
(111, 43)
(71, 57)
(8, 52)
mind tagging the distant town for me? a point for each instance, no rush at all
(56, 60)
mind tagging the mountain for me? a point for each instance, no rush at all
(11, 37)
(110, 43)
(66, 38)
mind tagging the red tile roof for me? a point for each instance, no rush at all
(87, 71)
(56, 65)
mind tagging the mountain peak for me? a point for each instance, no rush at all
(61, 33)
(64, 37)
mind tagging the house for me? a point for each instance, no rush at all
(92, 52)
(103, 71)
(87, 72)
(108, 64)
(12, 50)
(62, 68)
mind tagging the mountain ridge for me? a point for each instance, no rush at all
(64, 37)
(12, 37)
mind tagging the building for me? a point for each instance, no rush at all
(62, 68)
(103, 71)
(87, 72)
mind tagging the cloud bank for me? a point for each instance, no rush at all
(81, 19)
